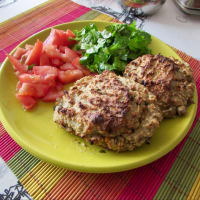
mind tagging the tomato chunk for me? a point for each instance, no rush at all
(17, 65)
(69, 76)
(56, 62)
(76, 63)
(19, 52)
(52, 95)
(26, 89)
(45, 70)
(70, 54)
(27, 101)
(34, 56)
(44, 59)
(67, 66)
(70, 36)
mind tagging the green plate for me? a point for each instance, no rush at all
(36, 132)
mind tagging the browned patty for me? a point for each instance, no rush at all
(110, 111)
(169, 79)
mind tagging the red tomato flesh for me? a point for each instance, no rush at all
(17, 65)
(34, 56)
(52, 95)
(27, 101)
(44, 59)
(76, 63)
(67, 66)
(69, 76)
(19, 52)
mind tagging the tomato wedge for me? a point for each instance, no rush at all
(19, 52)
(26, 89)
(53, 95)
(76, 63)
(17, 65)
(69, 76)
(44, 59)
(67, 66)
(70, 54)
(27, 101)
(34, 56)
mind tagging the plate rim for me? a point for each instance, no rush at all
(117, 168)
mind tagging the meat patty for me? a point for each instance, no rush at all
(169, 79)
(110, 111)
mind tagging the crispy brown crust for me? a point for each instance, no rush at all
(169, 79)
(110, 111)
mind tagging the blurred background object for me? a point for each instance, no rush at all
(189, 6)
(4, 3)
(148, 7)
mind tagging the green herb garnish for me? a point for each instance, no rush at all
(30, 67)
(113, 48)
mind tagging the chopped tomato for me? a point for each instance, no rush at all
(45, 70)
(69, 76)
(27, 101)
(17, 65)
(37, 90)
(76, 63)
(19, 52)
(18, 86)
(52, 95)
(60, 37)
(79, 53)
(53, 38)
(56, 62)
(52, 51)
(41, 90)
(67, 66)
(70, 36)
(53, 64)
(44, 60)
(26, 89)
(59, 86)
(70, 54)
(34, 56)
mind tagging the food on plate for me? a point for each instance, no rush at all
(169, 79)
(110, 111)
(45, 67)
(113, 48)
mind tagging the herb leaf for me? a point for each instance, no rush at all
(113, 48)
(30, 67)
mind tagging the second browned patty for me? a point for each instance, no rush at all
(169, 79)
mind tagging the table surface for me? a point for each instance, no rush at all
(174, 176)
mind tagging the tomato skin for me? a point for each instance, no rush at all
(34, 56)
(70, 34)
(37, 90)
(69, 76)
(70, 54)
(17, 65)
(76, 63)
(19, 52)
(53, 95)
(56, 62)
(26, 89)
(60, 37)
(67, 66)
(27, 101)
(44, 59)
